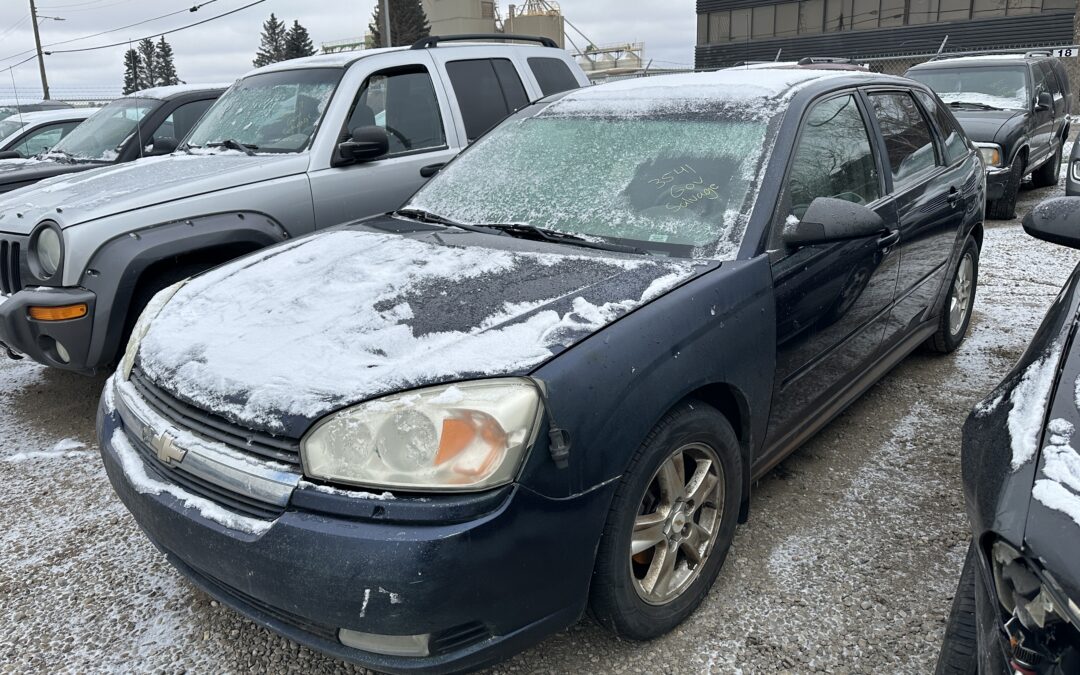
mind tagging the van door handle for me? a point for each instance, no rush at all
(889, 239)
(431, 169)
(953, 196)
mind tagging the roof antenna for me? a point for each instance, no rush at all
(778, 52)
(940, 49)
(15, 90)
(747, 62)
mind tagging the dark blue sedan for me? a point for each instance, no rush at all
(426, 440)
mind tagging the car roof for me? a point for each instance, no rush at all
(26, 103)
(346, 59)
(42, 116)
(163, 93)
(980, 60)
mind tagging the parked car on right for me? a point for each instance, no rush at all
(1017, 607)
(1072, 176)
(1015, 107)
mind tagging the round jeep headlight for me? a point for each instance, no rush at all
(48, 250)
(466, 436)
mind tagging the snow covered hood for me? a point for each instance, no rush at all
(112, 189)
(276, 340)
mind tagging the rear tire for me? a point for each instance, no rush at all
(1047, 174)
(956, 314)
(663, 514)
(960, 649)
(1004, 207)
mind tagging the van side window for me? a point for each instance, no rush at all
(404, 103)
(908, 142)
(487, 90)
(553, 75)
(954, 147)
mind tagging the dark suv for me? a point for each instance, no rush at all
(1016, 110)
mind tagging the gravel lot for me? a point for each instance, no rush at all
(847, 565)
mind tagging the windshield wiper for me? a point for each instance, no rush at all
(984, 106)
(527, 231)
(429, 217)
(230, 144)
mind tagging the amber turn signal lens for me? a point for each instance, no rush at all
(58, 313)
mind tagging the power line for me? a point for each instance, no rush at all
(161, 34)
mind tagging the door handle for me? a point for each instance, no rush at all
(953, 197)
(431, 169)
(889, 239)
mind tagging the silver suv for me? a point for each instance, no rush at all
(289, 148)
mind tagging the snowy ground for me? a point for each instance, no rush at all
(847, 565)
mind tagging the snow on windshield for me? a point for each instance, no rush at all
(240, 340)
(997, 87)
(672, 165)
(271, 112)
(105, 132)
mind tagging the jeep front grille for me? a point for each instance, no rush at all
(10, 266)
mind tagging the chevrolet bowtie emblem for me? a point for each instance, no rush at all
(166, 449)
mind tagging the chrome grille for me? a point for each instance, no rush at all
(267, 446)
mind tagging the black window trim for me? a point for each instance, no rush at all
(880, 139)
(337, 162)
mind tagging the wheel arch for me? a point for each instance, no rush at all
(735, 406)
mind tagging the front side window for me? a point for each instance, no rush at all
(990, 87)
(680, 182)
(908, 142)
(269, 112)
(955, 147)
(101, 137)
(405, 105)
(833, 159)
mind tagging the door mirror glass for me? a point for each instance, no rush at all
(162, 146)
(365, 144)
(829, 220)
(1044, 101)
(1055, 220)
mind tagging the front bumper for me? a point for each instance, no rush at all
(38, 339)
(996, 181)
(484, 585)
(1072, 178)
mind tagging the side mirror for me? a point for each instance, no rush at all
(828, 219)
(1044, 101)
(10, 154)
(1055, 220)
(365, 144)
(162, 146)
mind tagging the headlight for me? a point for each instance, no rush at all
(1076, 170)
(149, 313)
(991, 154)
(466, 436)
(48, 251)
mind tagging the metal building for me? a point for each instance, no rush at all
(455, 17)
(731, 31)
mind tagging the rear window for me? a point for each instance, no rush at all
(553, 75)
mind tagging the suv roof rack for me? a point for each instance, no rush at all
(434, 40)
(811, 60)
(1038, 52)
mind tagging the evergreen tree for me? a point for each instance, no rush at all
(298, 42)
(149, 71)
(272, 48)
(408, 22)
(132, 74)
(166, 67)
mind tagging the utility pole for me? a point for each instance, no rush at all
(40, 56)
(385, 22)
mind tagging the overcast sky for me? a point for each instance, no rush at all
(222, 50)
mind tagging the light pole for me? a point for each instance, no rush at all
(385, 22)
(34, 18)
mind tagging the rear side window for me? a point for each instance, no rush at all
(553, 75)
(954, 147)
(908, 141)
(487, 91)
(834, 158)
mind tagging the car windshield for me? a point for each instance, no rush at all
(10, 126)
(674, 183)
(103, 134)
(1003, 87)
(270, 112)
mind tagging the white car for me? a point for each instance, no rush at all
(27, 134)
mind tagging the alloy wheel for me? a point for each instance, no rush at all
(676, 524)
(960, 297)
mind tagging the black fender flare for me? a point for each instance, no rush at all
(115, 268)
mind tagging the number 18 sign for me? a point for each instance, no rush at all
(1065, 52)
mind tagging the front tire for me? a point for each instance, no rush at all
(671, 524)
(960, 649)
(1047, 174)
(956, 317)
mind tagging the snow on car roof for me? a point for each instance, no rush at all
(982, 59)
(173, 90)
(41, 116)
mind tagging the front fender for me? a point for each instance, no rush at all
(611, 389)
(114, 269)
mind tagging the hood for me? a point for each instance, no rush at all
(86, 196)
(17, 173)
(982, 126)
(276, 340)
